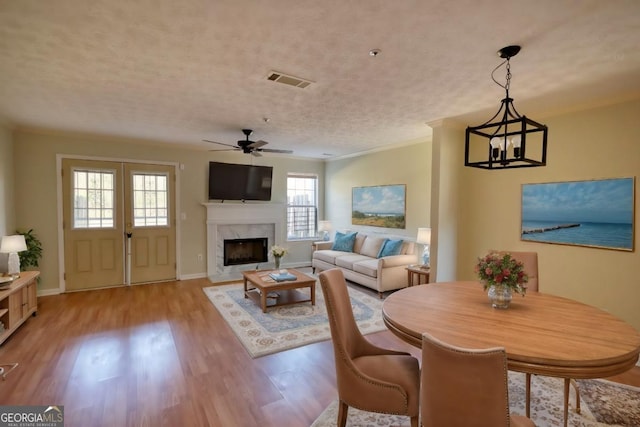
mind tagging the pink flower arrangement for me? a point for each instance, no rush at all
(501, 269)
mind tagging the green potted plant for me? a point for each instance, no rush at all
(30, 257)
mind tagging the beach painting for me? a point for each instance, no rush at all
(597, 213)
(379, 206)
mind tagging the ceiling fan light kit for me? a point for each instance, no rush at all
(509, 141)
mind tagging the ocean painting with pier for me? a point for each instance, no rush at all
(586, 213)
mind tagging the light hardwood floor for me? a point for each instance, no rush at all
(161, 355)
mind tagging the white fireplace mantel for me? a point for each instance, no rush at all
(223, 215)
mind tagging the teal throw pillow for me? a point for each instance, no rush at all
(390, 247)
(344, 242)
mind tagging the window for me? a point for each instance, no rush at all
(150, 200)
(93, 198)
(302, 206)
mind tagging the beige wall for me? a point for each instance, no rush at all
(445, 203)
(593, 144)
(36, 192)
(7, 217)
(408, 165)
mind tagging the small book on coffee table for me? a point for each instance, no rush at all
(281, 277)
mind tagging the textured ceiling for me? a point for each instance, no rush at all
(187, 70)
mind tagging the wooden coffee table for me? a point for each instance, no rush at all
(266, 292)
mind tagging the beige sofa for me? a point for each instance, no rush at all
(362, 264)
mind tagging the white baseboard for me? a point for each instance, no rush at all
(48, 292)
(193, 276)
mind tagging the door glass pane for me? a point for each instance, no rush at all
(93, 199)
(150, 200)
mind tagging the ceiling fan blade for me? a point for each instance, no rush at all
(227, 149)
(274, 150)
(256, 154)
(220, 143)
(257, 144)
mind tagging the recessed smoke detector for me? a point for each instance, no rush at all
(276, 76)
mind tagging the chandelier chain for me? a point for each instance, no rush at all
(506, 85)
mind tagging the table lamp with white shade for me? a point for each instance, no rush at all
(12, 245)
(424, 238)
(324, 227)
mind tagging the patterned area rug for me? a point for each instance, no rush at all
(619, 408)
(282, 328)
(603, 403)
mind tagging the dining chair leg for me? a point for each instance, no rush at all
(528, 395)
(343, 409)
(566, 400)
(575, 387)
(414, 421)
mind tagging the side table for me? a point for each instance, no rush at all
(417, 275)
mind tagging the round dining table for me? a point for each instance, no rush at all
(542, 334)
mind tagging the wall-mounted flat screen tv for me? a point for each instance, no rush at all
(231, 181)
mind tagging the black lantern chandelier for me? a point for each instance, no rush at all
(506, 143)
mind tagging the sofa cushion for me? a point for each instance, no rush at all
(390, 247)
(346, 261)
(357, 245)
(408, 248)
(371, 246)
(344, 242)
(328, 255)
(368, 267)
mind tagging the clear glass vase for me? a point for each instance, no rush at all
(277, 261)
(500, 296)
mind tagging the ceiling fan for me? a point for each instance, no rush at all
(250, 147)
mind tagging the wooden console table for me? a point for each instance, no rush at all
(18, 302)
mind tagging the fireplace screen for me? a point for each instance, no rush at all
(245, 251)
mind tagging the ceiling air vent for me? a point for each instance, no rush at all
(276, 76)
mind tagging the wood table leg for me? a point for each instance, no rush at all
(528, 395)
(263, 300)
(313, 293)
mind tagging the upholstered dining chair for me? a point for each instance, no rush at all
(368, 377)
(465, 387)
(530, 263)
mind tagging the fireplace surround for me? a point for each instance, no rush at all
(240, 221)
